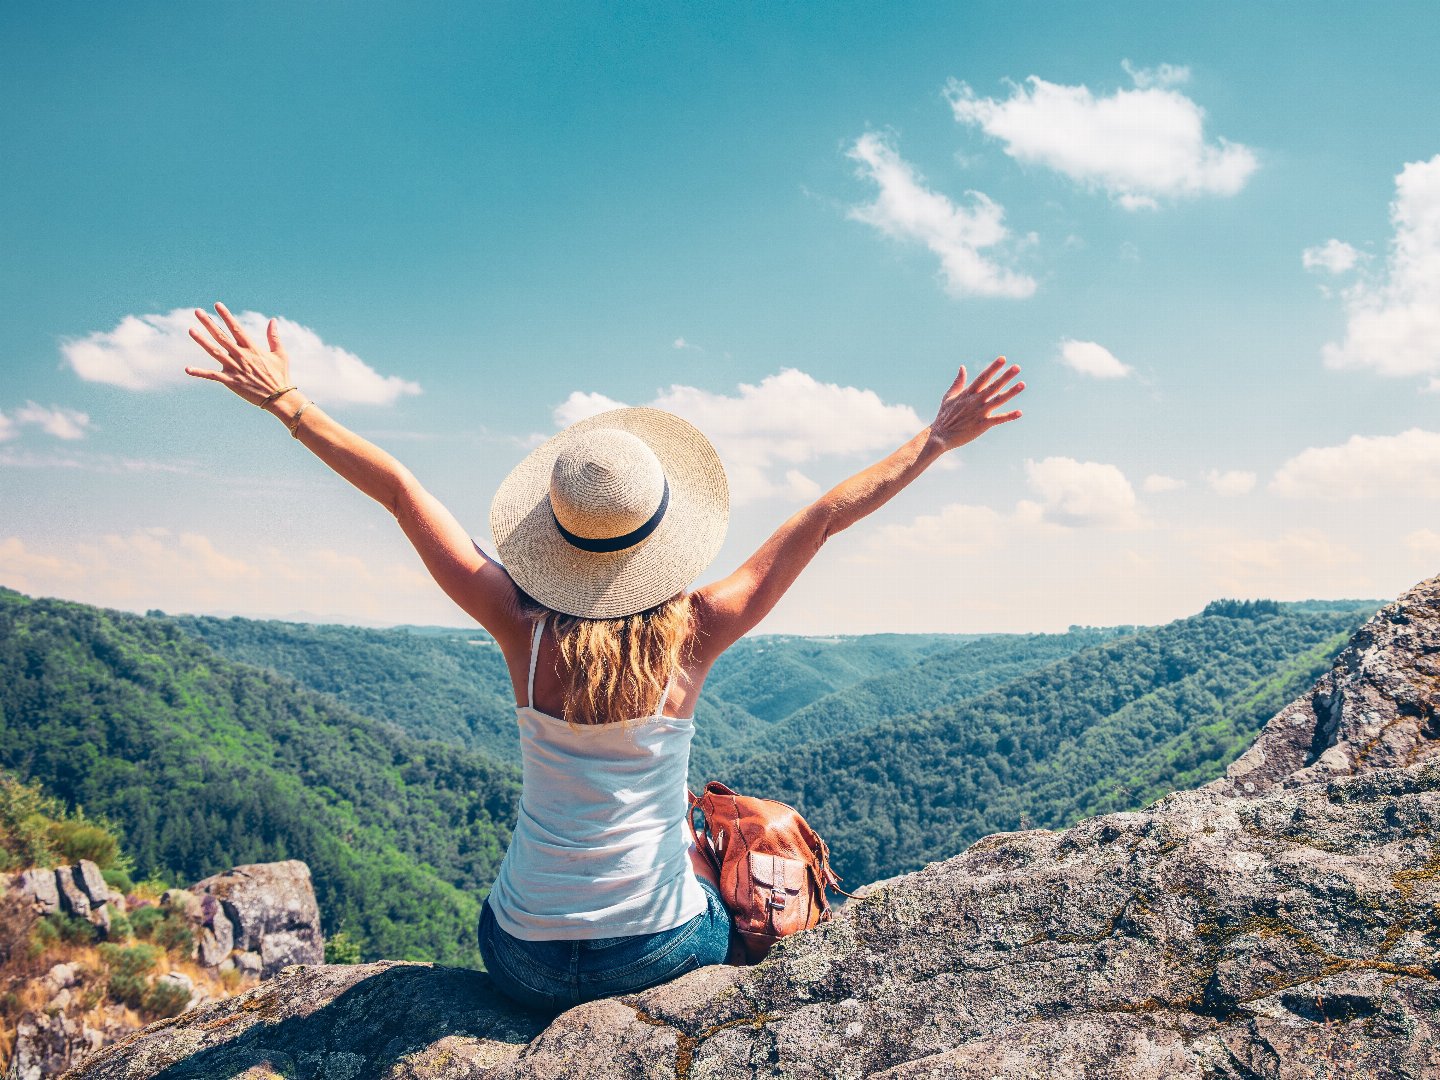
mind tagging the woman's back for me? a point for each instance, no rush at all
(600, 847)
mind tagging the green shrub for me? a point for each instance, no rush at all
(39, 830)
(68, 928)
(166, 999)
(128, 966)
(341, 948)
(118, 878)
(174, 934)
(76, 839)
(144, 920)
(120, 928)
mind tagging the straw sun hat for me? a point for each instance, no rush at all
(615, 514)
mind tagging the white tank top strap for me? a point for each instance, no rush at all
(665, 697)
(535, 636)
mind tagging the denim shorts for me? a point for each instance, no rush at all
(554, 975)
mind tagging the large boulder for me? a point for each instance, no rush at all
(1290, 928)
(267, 909)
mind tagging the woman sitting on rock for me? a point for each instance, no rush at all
(601, 532)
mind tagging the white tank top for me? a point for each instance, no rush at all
(600, 847)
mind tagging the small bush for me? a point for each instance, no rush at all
(77, 839)
(144, 920)
(341, 948)
(69, 928)
(174, 934)
(128, 967)
(120, 928)
(166, 999)
(118, 878)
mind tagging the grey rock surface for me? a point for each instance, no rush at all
(264, 908)
(1290, 928)
(38, 883)
(89, 878)
(73, 899)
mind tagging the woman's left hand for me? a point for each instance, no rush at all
(254, 374)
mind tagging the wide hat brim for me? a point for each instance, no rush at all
(607, 585)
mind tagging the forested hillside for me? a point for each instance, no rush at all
(204, 763)
(766, 692)
(1107, 728)
(452, 684)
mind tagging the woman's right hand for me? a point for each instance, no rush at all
(967, 411)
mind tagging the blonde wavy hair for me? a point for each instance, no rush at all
(617, 669)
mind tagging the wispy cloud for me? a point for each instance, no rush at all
(906, 209)
(1083, 493)
(1393, 322)
(59, 421)
(1091, 358)
(1333, 257)
(146, 352)
(1139, 145)
(766, 433)
(1365, 466)
(1231, 482)
(106, 464)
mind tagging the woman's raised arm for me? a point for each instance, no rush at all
(477, 584)
(731, 607)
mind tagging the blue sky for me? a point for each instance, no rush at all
(484, 220)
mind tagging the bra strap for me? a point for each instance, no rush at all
(534, 656)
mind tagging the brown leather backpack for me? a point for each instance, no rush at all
(773, 867)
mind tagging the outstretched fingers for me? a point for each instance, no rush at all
(241, 337)
(1001, 398)
(221, 338)
(218, 355)
(983, 383)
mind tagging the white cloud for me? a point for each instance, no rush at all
(1159, 484)
(1161, 75)
(907, 210)
(57, 420)
(1365, 466)
(1091, 358)
(1393, 322)
(681, 343)
(581, 405)
(7, 428)
(764, 432)
(1333, 257)
(1231, 482)
(146, 352)
(1081, 493)
(1138, 145)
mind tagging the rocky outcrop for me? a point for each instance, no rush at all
(1288, 928)
(266, 911)
(78, 890)
(256, 919)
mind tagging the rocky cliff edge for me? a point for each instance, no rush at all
(1282, 921)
